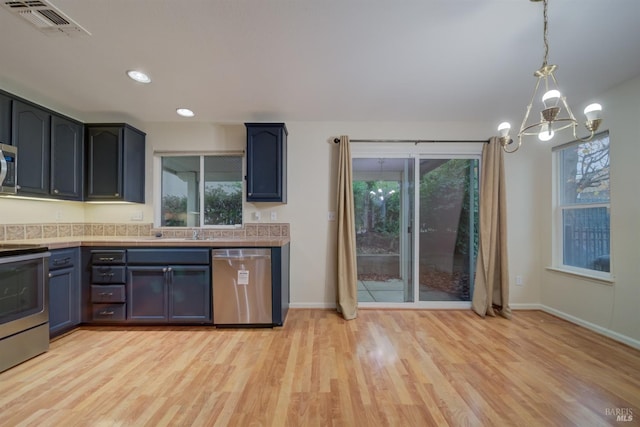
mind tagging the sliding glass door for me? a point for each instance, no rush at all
(448, 228)
(384, 197)
(415, 242)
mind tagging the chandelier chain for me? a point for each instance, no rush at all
(545, 33)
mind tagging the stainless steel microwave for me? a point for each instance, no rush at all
(8, 169)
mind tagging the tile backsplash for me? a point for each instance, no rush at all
(54, 230)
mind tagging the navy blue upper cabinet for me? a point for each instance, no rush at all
(115, 162)
(5, 119)
(266, 162)
(66, 158)
(31, 133)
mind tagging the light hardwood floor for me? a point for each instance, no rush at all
(387, 368)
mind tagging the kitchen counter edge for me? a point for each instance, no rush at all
(72, 242)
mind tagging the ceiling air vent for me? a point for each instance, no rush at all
(45, 17)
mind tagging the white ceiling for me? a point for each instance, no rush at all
(318, 60)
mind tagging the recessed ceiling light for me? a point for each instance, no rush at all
(185, 112)
(138, 76)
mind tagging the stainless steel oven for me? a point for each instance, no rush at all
(24, 303)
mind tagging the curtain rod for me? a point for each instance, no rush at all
(415, 141)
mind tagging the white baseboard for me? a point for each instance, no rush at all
(322, 305)
(631, 342)
(525, 306)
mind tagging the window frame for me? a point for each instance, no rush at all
(559, 208)
(157, 185)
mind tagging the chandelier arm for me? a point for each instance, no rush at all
(504, 146)
(585, 139)
(526, 116)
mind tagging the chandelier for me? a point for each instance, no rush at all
(550, 105)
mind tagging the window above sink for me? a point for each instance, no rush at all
(200, 191)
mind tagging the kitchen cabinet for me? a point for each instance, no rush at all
(66, 159)
(64, 291)
(107, 287)
(115, 163)
(168, 286)
(5, 119)
(266, 162)
(49, 150)
(31, 133)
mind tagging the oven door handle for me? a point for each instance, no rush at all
(26, 257)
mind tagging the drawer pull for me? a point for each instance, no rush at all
(106, 274)
(107, 313)
(106, 294)
(107, 258)
(61, 261)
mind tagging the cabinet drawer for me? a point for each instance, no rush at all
(61, 259)
(108, 257)
(176, 256)
(109, 312)
(108, 274)
(107, 293)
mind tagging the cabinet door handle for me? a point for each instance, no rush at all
(56, 191)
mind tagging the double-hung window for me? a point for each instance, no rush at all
(201, 190)
(582, 220)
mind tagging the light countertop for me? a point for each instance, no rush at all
(150, 241)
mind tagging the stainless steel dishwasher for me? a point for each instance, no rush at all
(242, 287)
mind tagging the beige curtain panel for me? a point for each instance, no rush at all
(347, 281)
(491, 286)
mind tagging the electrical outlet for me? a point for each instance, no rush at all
(274, 216)
(519, 281)
(256, 216)
(137, 216)
(331, 216)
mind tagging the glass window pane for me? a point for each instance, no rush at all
(383, 204)
(586, 238)
(448, 239)
(180, 191)
(584, 172)
(222, 190)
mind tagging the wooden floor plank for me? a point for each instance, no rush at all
(385, 368)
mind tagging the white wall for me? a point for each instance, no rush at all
(613, 307)
(28, 211)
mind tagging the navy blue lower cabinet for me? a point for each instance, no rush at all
(168, 293)
(64, 291)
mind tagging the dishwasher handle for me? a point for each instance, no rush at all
(240, 254)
